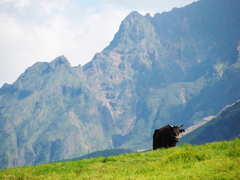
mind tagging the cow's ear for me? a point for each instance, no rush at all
(182, 130)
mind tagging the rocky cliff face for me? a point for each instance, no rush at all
(176, 67)
(48, 114)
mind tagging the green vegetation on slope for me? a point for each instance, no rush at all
(219, 160)
(226, 126)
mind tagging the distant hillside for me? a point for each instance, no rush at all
(175, 68)
(104, 153)
(226, 126)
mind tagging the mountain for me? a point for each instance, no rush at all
(48, 114)
(175, 68)
(226, 127)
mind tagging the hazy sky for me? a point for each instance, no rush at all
(41, 30)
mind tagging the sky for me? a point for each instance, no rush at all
(41, 30)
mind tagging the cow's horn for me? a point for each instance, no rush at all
(170, 125)
(180, 126)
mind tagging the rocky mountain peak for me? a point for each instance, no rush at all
(61, 60)
(133, 16)
(133, 29)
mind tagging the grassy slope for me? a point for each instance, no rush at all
(219, 160)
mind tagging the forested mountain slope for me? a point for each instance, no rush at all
(226, 127)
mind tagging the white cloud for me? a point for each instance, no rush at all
(32, 31)
(16, 3)
(150, 6)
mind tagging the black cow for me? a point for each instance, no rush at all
(167, 136)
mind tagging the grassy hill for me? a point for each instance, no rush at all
(219, 160)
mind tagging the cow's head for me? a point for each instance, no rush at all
(175, 132)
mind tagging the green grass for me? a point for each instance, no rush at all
(219, 160)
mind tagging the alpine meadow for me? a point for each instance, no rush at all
(177, 67)
(219, 160)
